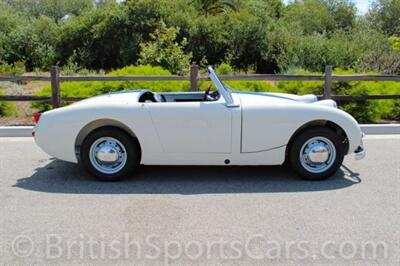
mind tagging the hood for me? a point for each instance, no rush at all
(309, 98)
(329, 103)
(284, 97)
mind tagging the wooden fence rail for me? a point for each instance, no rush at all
(55, 78)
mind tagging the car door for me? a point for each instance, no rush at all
(192, 127)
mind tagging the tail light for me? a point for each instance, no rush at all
(36, 117)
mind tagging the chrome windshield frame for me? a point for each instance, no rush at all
(223, 91)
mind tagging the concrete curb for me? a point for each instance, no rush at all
(16, 131)
(389, 129)
(369, 129)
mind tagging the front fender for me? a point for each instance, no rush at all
(267, 127)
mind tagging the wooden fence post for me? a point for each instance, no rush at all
(55, 86)
(194, 75)
(328, 83)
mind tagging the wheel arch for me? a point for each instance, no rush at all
(317, 123)
(100, 123)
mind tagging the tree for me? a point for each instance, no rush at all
(385, 14)
(270, 8)
(343, 12)
(395, 43)
(104, 3)
(312, 15)
(56, 9)
(110, 37)
(28, 39)
(165, 52)
(214, 7)
(26, 45)
(248, 39)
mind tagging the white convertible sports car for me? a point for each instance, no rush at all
(111, 135)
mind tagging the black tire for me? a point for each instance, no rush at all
(130, 144)
(308, 134)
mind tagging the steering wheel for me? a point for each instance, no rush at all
(214, 96)
(159, 98)
(207, 92)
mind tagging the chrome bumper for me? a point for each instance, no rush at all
(359, 153)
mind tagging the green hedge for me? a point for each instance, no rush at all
(369, 111)
(7, 108)
(18, 68)
(365, 112)
(89, 89)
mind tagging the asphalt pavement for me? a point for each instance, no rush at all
(52, 212)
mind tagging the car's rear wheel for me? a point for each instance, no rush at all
(110, 154)
(317, 153)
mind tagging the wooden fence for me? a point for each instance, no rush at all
(55, 78)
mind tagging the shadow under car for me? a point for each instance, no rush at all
(62, 177)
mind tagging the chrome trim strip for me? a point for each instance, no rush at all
(264, 150)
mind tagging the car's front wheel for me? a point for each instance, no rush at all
(317, 153)
(110, 154)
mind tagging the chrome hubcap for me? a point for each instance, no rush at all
(317, 155)
(108, 155)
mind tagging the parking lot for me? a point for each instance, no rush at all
(53, 212)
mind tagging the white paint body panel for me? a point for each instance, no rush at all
(270, 120)
(192, 127)
(252, 129)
